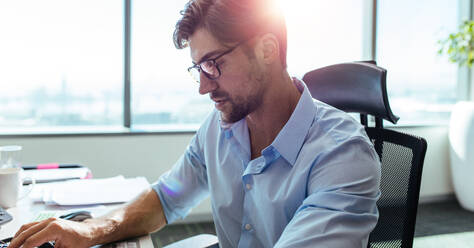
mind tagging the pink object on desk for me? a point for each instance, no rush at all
(88, 176)
(47, 166)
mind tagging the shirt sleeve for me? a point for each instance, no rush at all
(185, 185)
(340, 208)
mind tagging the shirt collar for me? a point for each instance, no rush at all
(227, 128)
(290, 139)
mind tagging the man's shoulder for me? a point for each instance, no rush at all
(336, 135)
(335, 125)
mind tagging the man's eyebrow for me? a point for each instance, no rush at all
(207, 56)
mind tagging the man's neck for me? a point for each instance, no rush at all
(278, 104)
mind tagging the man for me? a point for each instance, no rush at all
(281, 170)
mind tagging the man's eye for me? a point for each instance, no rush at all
(208, 64)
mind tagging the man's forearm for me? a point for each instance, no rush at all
(139, 217)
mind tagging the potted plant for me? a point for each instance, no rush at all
(459, 47)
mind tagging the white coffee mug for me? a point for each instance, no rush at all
(11, 182)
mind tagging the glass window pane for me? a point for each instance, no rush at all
(322, 33)
(421, 84)
(164, 93)
(165, 96)
(61, 63)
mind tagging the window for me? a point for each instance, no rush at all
(61, 63)
(322, 33)
(421, 84)
(164, 96)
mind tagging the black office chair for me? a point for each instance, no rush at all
(360, 87)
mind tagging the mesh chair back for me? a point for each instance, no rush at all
(361, 88)
(402, 158)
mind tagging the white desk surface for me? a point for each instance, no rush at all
(26, 210)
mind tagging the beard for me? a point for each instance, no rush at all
(241, 106)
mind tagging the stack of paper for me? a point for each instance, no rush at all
(92, 191)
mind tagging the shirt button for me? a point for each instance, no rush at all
(248, 186)
(248, 227)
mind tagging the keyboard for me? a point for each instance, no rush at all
(4, 216)
(4, 244)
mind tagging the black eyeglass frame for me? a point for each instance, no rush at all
(214, 62)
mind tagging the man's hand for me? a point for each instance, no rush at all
(141, 216)
(65, 233)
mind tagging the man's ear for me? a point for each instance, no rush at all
(269, 48)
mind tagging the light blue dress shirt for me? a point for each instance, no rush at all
(316, 185)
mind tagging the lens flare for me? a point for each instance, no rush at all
(173, 187)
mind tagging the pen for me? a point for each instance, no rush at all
(50, 166)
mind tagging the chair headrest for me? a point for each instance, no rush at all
(358, 87)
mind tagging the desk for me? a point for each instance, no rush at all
(26, 210)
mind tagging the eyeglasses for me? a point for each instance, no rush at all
(209, 67)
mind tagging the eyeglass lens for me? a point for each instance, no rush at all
(209, 68)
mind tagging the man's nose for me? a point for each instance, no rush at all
(206, 85)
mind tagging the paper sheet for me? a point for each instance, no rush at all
(94, 191)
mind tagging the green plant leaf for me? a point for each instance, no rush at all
(459, 47)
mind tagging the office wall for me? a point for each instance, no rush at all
(151, 155)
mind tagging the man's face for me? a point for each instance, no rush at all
(239, 89)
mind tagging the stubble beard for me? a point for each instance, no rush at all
(240, 107)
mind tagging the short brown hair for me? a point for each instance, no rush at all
(231, 21)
